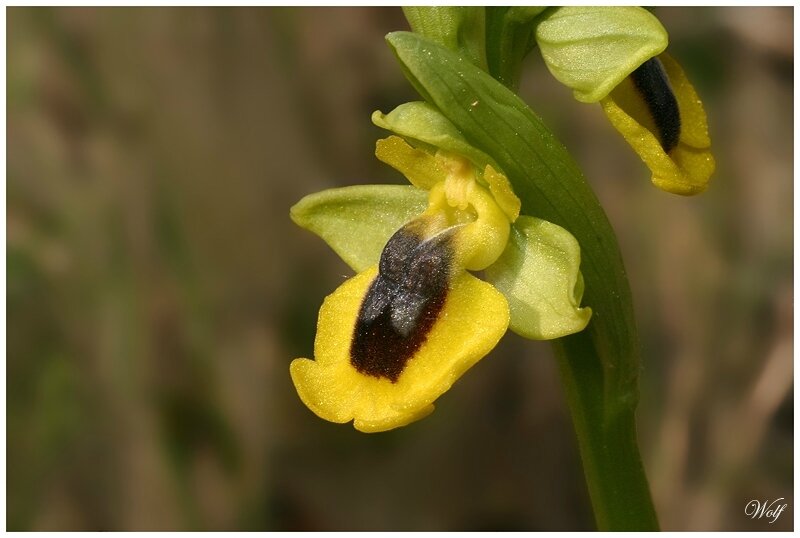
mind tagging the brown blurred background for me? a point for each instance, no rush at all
(157, 290)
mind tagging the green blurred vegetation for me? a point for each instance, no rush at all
(157, 290)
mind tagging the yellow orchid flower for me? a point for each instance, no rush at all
(395, 337)
(398, 335)
(615, 56)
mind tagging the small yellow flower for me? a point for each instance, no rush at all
(615, 56)
(398, 335)
(395, 337)
(660, 115)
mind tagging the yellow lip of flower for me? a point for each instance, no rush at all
(472, 320)
(659, 114)
(396, 336)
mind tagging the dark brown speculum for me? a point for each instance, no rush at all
(402, 303)
(652, 83)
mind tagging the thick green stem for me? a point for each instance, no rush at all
(607, 440)
(599, 366)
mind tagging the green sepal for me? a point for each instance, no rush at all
(357, 221)
(539, 274)
(460, 29)
(592, 49)
(424, 126)
(509, 38)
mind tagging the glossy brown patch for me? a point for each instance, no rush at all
(402, 303)
(652, 83)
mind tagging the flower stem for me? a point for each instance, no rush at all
(606, 432)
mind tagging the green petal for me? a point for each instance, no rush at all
(357, 221)
(592, 49)
(539, 275)
(460, 29)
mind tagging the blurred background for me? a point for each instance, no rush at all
(157, 290)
